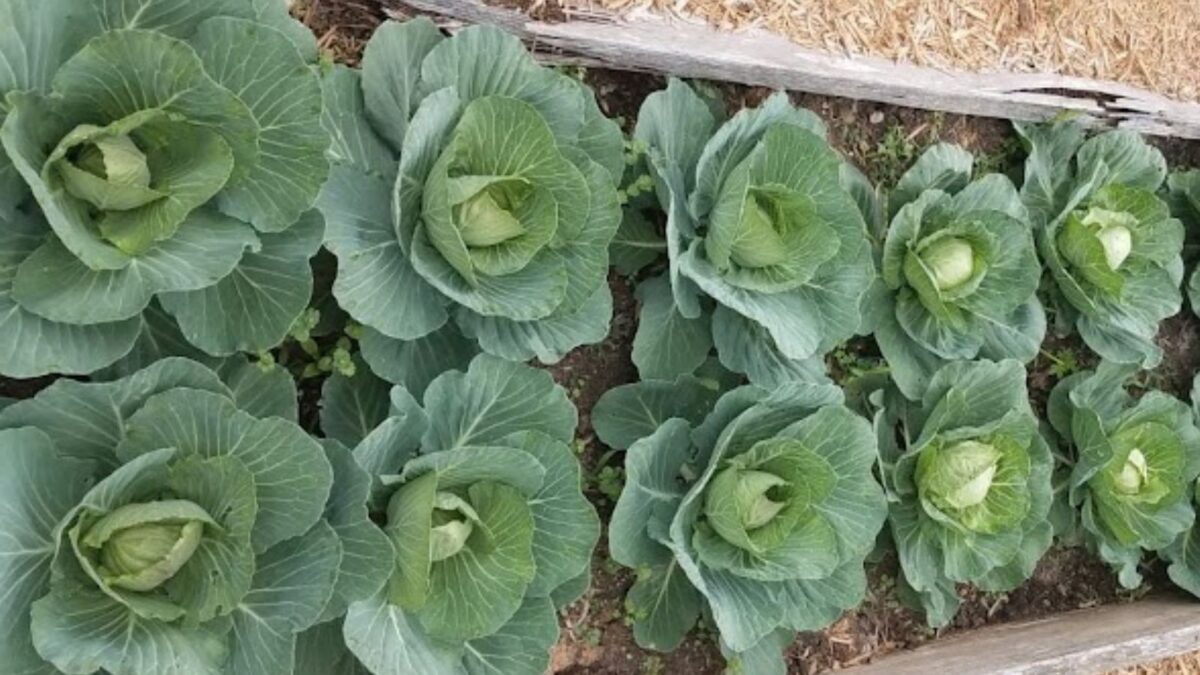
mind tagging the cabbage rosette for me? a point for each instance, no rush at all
(757, 511)
(1133, 464)
(1111, 245)
(479, 493)
(959, 272)
(969, 481)
(144, 162)
(175, 522)
(472, 198)
(768, 258)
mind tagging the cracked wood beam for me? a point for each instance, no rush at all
(692, 50)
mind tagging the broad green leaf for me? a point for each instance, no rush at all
(520, 647)
(352, 406)
(676, 124)
(57, 285)
(564, 522)
(629, 412)
(745, 347)
(375, 284)
(431, 127)
(549, 339)
(766, 657)
(353, 141)
(367, 555)
(667, 344)
(80, 630)
(1048, 175)
(733, 142)
(944, 167)
(41, 488)
(220, 572)
(293, 582)
(653, 489)
(158, 338)
(391, 74)
(664, 605)
(291, 164)
(253, 307)
(176, 18)
(415, 363)
(262, 393)
(1126, 157)
(389, 641)
(491, 400)
(486, 61)
(291, 474)
(88, 420)
(321, 650)
(30, 345)
(637, 243)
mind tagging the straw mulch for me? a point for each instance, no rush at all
(1153, 44)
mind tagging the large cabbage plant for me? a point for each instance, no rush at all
(174, 522)
(768, 257)
(472, 198)
(1133, 464)
(479, 492)
(959, 272)
(1110, 243)
(163, 152)
(1183, 196)
(968, 477)
(757, 510)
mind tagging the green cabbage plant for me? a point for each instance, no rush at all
(768, 258)
(969, 482)
(1183, 196)
(1133, 464)
(479, 492)
(157, 154)
(1184, 553)
(472, 198)
(757, 510)
(175, 523)
(959, 272)
(1110, 243)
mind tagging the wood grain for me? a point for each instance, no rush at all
(1074, 643)
(758, 58)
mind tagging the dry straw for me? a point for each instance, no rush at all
(1153, 44)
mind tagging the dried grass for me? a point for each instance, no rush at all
(1154, 44)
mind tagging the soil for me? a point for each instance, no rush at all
(882, 140)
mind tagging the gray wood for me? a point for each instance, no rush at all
(692, 50)
(1074, 643)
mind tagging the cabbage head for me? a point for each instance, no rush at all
(757, 510)
(1133, 464)
(479, 492)
(472, 198)
(768, 256)
(146, 164)
(1110, 243)
(168, 523)
(959, 272)
(969, 481)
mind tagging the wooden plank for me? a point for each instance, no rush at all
(1074, 643)
(760, 58)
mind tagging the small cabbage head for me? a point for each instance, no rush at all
(478, 208)
(1109, 241)
(485, 511)
(749, 230)
(764, 501)
(970, 482)
(125, 193)
(960, 271)
(1133, 464)
(190, 522)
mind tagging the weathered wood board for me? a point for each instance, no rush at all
(1074, 643)
(759, 58)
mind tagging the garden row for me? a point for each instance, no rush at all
(168, 174)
